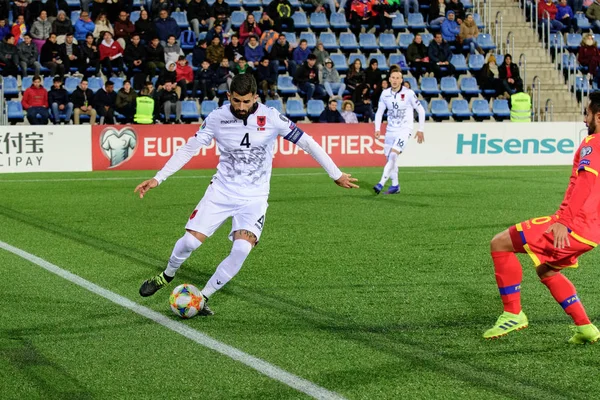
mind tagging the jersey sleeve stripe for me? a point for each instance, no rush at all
(588, 169)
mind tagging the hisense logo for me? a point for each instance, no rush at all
(478, 143)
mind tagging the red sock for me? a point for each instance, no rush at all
(564, 293)
(508, 277)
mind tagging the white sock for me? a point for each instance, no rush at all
(229, 267)
(395, 172)
(389, 167)
(182, 250)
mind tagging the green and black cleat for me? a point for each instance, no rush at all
(152, 285)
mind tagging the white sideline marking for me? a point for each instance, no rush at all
(265, 368)
(142, 178)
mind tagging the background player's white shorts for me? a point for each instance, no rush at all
(216, 207)
(396, 140)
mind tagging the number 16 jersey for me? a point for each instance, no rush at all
(246, 148)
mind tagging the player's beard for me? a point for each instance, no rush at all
(243, 115)
(591, 127)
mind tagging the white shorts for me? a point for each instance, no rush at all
(396, 141)
(216, 207)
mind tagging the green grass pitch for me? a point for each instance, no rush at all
(373, 297)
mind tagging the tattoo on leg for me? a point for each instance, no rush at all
(250, 235)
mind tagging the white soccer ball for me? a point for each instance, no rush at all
(186, 300)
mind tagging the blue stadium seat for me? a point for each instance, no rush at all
(189, 59)
(477, 19)
(338, 21)
(237, 18)
(427, 38)
(439, 110)
(481, 110)
(485, 41)
(285, 85)
(257, 15)
(26, 83)
(295, 4)
(187, 40)
(189, 111)
(314, 108)
(404, 40)
(380, 60)
(468, 4)
(118, 83)
(300, 20)
(340, 62)
(75, 16)
(352, 57)
(348, 42)
(555, 40)
(387, 42)
(460, 110)
(252, 4)
(476, 62)
(295, 109)
(181, 19)
(276, 104)
(413, 84)
(14, 111)
(573, 41)
(319, 21)
(71, 84)
(368, 41)
(95, 84)
(48, 82)
(291, 38)
(582, 84)
(416, 22)
(469, 87)
(500, 59)
(310, 38)
(329, 40)
(582, 22)
(449, 86)
(235, 3)
(500, 110)
(73, 3)
(459, 62)
(207, 107)
(425, 105)
(429, 87)
(399, 59)
(135, 15)
(569, 60)
(137, 4)
(398, 23)
(11, 89)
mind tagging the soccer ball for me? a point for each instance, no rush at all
(186, 300)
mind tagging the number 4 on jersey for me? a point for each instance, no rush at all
(246, 141)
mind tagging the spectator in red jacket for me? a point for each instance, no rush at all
(249, 27)
(35, 102)
(111, 55)
(362, 12)
(548, 5)
(185, 76)
(589, 55)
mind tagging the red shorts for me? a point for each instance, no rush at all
(530, 237)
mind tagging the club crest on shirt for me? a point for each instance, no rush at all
(261, 121)
(586, 151)
(402, 97)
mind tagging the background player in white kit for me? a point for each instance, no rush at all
(245, 132)
(400, 103)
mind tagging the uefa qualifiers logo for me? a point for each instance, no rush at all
(118, 145)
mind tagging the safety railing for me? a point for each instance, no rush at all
(536, 92)
(3, 104)
(585, 94)
(498, 31)
(546, 31)
(488, 15)
(523, 66)
(510, 43)
(549, 110)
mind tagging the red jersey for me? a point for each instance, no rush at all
(580, 209)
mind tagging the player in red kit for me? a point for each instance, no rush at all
(555, 242)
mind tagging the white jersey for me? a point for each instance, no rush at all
(246, 160)
(400, 110)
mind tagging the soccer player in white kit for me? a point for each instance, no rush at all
(400, 103)
(245, 132)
